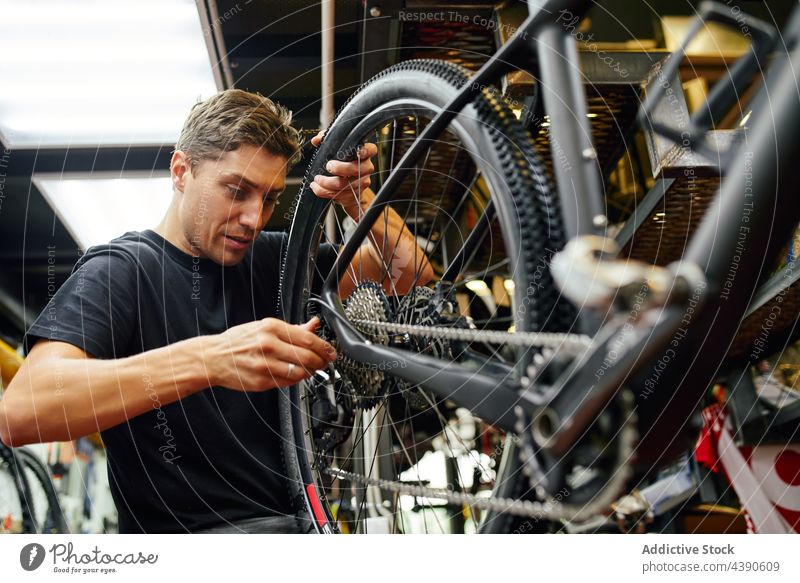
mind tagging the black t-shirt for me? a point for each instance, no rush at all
(214, 456)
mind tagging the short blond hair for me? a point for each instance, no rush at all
(232, 118)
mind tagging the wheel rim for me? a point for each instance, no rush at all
(446, 443)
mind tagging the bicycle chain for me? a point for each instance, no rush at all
(569, 343)
(549, 510)
(524, 508)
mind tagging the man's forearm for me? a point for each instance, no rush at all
(394, 243)
(72, 397)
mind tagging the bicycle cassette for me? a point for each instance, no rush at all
(369, 382)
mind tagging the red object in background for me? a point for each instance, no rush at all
(705, 451)
(766, 478)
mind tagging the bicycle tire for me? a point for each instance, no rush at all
(525, 206)
(55, 522)
(10, 457)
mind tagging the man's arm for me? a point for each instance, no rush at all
(391, 255)
(60, 393)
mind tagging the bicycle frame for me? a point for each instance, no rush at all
(578, 396)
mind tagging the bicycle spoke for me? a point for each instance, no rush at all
(411, 463)
(414, 201)
(459, 207)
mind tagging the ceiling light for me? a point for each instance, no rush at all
(88, 73)
(102, 206)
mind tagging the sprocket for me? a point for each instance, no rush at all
(418, 307)
(369, 382)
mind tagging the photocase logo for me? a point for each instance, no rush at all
(31, 556)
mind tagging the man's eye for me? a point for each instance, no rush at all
(236, 192)
(271, 202)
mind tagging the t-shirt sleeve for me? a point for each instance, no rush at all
(95, 309)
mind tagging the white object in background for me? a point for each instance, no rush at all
(670, 491)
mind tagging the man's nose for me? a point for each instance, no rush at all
(251, 216)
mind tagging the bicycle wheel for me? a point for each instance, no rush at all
(352, 425)
(54, 521)
(11, 465)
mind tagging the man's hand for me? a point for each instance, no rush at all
(348, 180)
(392, 256)
(266, 354)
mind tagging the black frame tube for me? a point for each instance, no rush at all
(576, 167)
(474, 386)
(757, 201)
(711, 248)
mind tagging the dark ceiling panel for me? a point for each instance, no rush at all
(275, 48)
(25, 163)
(36, 251)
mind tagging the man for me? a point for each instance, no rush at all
(166, 340)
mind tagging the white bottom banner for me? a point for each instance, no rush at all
(406, 559)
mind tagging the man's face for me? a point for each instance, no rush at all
(225, 202)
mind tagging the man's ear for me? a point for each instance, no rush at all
(179, 167)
